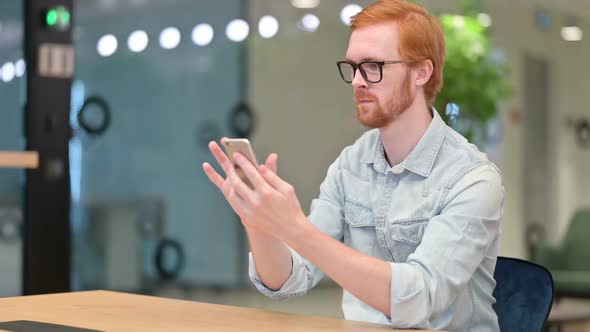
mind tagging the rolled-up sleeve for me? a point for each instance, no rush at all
(327, 215)
(294, 286)
(454, 244)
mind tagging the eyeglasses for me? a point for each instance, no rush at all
(372, 71)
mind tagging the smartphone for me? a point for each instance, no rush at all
(241, 145)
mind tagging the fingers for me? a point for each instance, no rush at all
(213, 176)
(251, 172)
(271, 162)
(234, 200)
(275, 181)
(240, 187)
(220, 156)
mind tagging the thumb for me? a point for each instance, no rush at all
(271, 162)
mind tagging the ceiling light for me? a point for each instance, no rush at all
(268, 26)
(572, 33)
(348, 12)
(305, 4)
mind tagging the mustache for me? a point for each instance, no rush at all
(363, 95)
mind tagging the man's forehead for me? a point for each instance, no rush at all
(374, 41)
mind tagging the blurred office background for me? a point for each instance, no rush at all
(176, 74)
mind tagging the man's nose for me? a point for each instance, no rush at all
(358, 81)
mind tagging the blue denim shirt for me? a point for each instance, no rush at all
(436, 217)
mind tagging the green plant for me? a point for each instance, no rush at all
(475, 82)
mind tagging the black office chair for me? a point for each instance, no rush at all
(524, 294)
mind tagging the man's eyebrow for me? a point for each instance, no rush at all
(362, 60)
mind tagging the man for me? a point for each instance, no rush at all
(408, 217)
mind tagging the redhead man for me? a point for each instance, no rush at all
(408, 218)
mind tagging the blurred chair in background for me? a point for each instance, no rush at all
(569, 263)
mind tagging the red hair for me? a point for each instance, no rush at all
(421, 36)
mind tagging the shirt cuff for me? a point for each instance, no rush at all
(294, 286)
(409, 297)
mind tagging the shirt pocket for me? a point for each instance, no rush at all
(405, 235)
(360, 223)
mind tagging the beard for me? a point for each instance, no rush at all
(373, 115)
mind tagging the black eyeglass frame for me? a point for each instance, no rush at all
(359, 66)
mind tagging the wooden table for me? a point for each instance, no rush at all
(19, 159)
(112, 311)
(564, 313)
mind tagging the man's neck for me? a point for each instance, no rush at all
(403, 134)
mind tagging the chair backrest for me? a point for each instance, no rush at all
(575, 245)
(524, 294)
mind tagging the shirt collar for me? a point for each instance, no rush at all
(422, 157)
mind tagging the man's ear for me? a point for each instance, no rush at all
(424, 72)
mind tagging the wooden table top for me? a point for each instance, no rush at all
(19, 159)
(113, 311)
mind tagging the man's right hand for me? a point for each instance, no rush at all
(227, 166)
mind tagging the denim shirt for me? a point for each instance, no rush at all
(435, 217)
